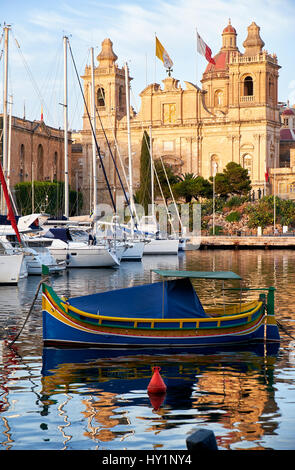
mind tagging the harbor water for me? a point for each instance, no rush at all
(97, 400)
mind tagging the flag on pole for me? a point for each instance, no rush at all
(204, 50)
(10, 213)
(41, 112)
(161, 53)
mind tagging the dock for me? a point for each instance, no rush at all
(241, 242)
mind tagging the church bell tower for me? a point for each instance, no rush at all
(110, 94)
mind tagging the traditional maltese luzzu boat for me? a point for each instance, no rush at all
(164, 314)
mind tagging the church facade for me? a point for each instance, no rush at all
(234, 116)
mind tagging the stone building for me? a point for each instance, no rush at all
(282, 179)
(287, 134)
(233, 117)
(37, 151)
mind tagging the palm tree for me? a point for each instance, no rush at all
(191, 186)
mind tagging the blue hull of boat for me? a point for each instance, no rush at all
(56, 333)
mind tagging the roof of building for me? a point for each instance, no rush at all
(229, 29)
(288, 112)
(221, 60)
(286, 134)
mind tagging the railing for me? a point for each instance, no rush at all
(152, 321)
(247, 99)
(261, 57)
(270, 295)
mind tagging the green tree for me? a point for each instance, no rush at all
(191, 186)
(143, 195)
(238, 179)
(48, 197)
(234, 180)
(221, 184)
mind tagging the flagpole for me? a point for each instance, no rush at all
(274, 205)
(213, 227)
(146, 70)
(197, 58)
(66, 169)
(155, 81)
(214, 175)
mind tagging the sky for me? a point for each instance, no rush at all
(36, 45)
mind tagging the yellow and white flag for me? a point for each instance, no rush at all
(161, 53)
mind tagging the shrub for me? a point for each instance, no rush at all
(218, 230)
(236, 201)
(48, 197)
(233, 216)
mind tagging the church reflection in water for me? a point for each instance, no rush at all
(234, 391)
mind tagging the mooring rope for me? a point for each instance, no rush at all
(44, 279)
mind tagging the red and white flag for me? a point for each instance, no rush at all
(205, 50)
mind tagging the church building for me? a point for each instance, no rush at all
(234, 116)
(37, 151)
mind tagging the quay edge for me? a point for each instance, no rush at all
(241, 242)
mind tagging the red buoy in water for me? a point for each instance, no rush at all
(156, 400)
(156, 385)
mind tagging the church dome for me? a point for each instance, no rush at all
(229, 29)
(220, 60)
(229, 45)
(288, 112)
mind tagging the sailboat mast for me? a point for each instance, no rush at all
(129, 144)
(9, 143)
(152, 173)
(5, 102)
(94, 166)
(66, 127)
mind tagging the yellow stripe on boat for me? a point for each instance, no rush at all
(181, 321)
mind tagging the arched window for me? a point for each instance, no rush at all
(248, 86)
(218, 98)
(39, 174)
(100, 97)
(247, 163)
(22, 162)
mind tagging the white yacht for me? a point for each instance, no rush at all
(159, 244)
(129, 246)
(10, 264)
(35, 254)
(80, 254)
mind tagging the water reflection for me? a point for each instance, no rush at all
(209, 388)
(57, 400)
